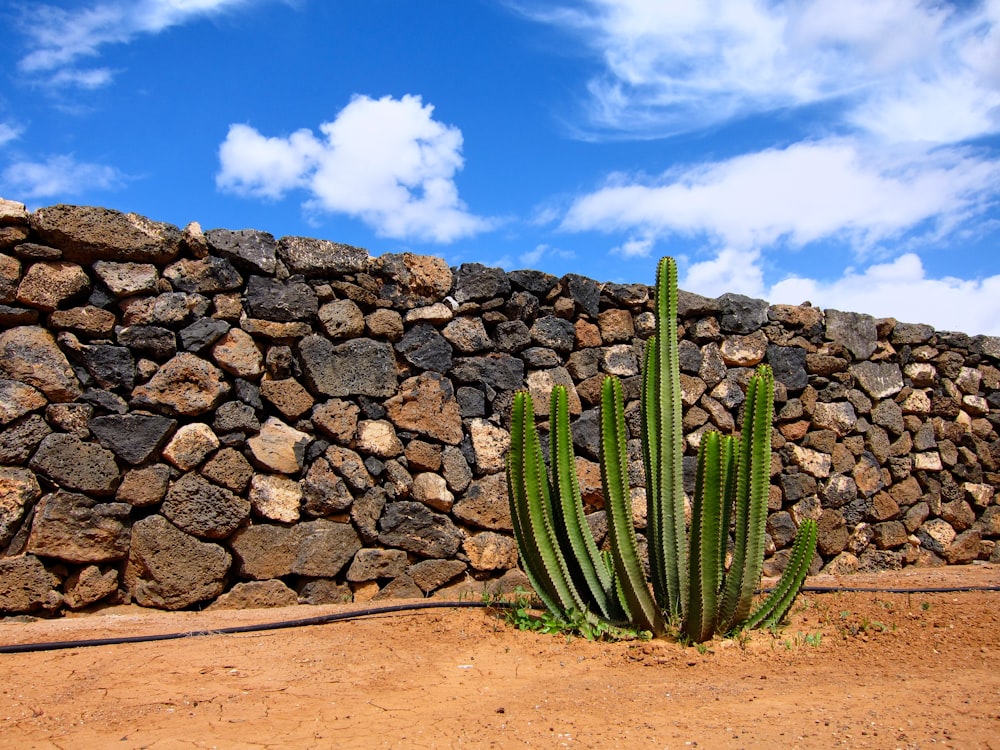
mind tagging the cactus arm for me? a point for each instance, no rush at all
(730, 450)
(752, 482)
(760, 480)
(776, 605)
(531, 506)
(530, 559)
(517, 497)
(620, 610)
(642, 609)
(664, 437)
(586, 566)
(651, 458)
(705, 539)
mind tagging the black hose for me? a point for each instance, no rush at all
(864, 590)
(21, 648)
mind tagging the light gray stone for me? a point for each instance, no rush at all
(25, 585)
(256, 595)
(489, 550)
(278, 447)
(432, 490)
(191, 445)
(29, 354)
(878, 379)
(76, 528)
(18, 490)
(275, 497)
(186, 385)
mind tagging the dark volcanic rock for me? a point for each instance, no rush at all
(198, 507)
(500, 371)
(204, 276)
(313, 257)
(554, 333)
(416, 528)
(854, 331)
(111, 366)
(153, 341)
(246, 247)
(19, 441)
(740, 314)
(132, 437)
(281, 301)
(202, 333)
(584, 292)
(360, 367)
(474, 281)
(536, 282)
(424, 347)
(789, 365)
(73, 464)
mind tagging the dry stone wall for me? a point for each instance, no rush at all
(223, 419)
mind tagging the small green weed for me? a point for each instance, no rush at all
(802, 639)
(522, 614)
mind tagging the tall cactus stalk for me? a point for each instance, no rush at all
(642, 609)
(663, 449)
(690, 582)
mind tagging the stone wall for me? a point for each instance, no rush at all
(220, 418)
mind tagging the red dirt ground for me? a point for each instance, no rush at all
(852, 670)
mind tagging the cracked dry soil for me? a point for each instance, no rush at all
(852, 670)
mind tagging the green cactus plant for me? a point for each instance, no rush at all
(691, 584)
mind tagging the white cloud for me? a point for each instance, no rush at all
(904, 86)
(903, 69)
(58, 176)
(738, 210)
(59, 38)
(385, 161)
(9, 132)
(902, 289)
(262, 167)
(799, 194)
(635, 247)
(731, 270)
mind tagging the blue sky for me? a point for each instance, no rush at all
(845, 152)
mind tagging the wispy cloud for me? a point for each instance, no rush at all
(670, 67)
(60, 40)
(797, 195)
(902, 157)
(9, 132)
(386, 161)
(58, 175)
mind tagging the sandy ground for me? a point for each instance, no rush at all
(852, 670)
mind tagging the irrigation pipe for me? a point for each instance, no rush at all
(21, 648)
